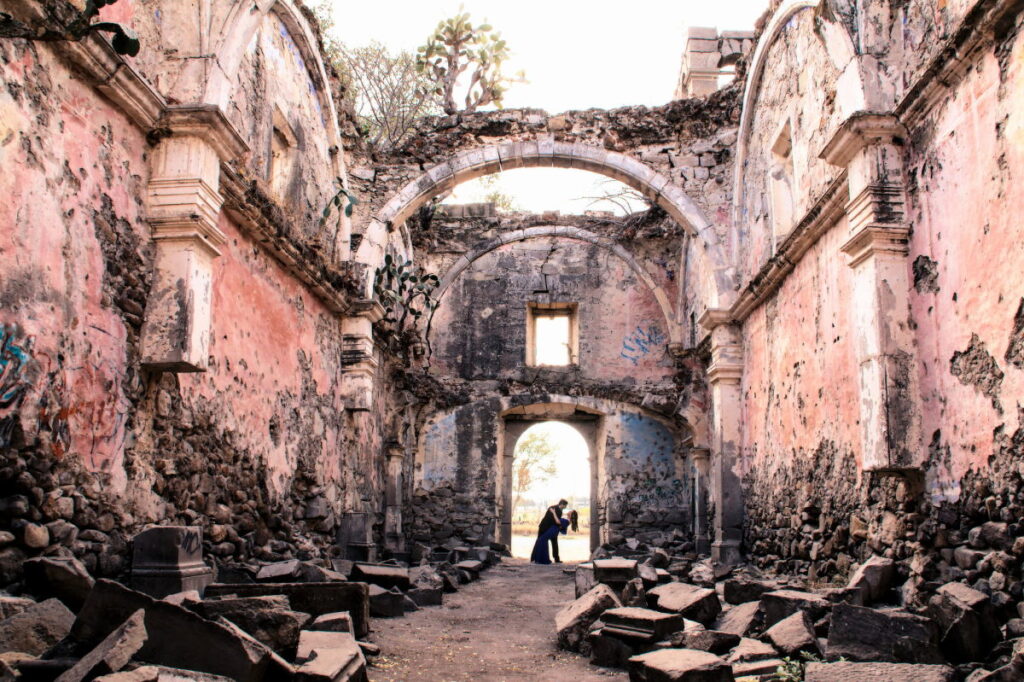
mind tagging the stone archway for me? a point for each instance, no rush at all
(387, 229)
(514, 423)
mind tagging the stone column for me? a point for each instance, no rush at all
(868, 146)
(183, 205)
(700, 457)
(357, 355)
(724, 377)
(393, 538)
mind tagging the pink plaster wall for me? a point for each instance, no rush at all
(73, 170)
(966, 218)
(800, 384)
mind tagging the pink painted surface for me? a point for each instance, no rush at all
(65, 155)
(968, 221)
(800, 385)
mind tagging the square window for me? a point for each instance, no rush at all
(552, 335)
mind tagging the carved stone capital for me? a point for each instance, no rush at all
(859, 131)
(877, 240)
(208, 123)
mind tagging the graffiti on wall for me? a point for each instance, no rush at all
(642, 342)
(16, 364)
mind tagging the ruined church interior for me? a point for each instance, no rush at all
(265, 386)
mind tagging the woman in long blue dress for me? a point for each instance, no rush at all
(540, 548)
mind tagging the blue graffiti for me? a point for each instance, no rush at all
(641, 342)
(15, 359)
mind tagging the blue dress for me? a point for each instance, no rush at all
(540, 548)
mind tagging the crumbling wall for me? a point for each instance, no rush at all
(276, 106)
(809, 507)
(690, 141)
(260, 450)
(644, 487)
(794, 116)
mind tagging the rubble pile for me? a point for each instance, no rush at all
(287, 620)
(670, 616)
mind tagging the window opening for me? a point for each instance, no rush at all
(552, 335)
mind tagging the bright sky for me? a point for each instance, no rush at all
(576, 54)
(572, 474)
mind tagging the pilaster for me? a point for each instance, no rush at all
(358, 359)
(869, 147)
(183, 204)
(724, 380)
(393, 537)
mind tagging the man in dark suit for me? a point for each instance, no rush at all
(553, 517)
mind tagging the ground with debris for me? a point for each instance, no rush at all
(498, 628)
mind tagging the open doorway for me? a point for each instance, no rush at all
(551, 461)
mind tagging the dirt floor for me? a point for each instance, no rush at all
(501, 627)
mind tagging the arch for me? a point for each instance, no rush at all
(515, 424)
(241, 24)
(566, 232)
(474, 163)
(841, 50)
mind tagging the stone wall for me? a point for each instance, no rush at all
(813, 500)
(260, 449)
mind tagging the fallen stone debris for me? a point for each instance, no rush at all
(741, 624)
(286, 620)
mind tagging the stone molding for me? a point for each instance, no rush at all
(860, 130)
(872, 240)
(207, 122)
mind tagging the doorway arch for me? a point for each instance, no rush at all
(515, 423)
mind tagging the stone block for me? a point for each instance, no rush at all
(742, 589)
(756, 669)
(12, 606)
(713, 641)
(169, 559)
(690, 601)
(784, 603)
(874, 578)
(966, 620)
(269, 620)
(751, 650)
(584, 578)
(679, 665)
(280, 572)
(614, 571)
(332, 622)
(383, 576)
(740, 619)
(159, 673)
(329, 657)
(641, 625)
(37, 628)
(863, 634)
(882, 672)
(609, 651)
(793, 634)
(386, 603)
(471, 566)
(315, 599)
(113, 653)
(63, 578)
(574, 620)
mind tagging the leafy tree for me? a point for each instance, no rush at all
(389, 92)
(455, 46)
(123, 40)
(534, 462)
